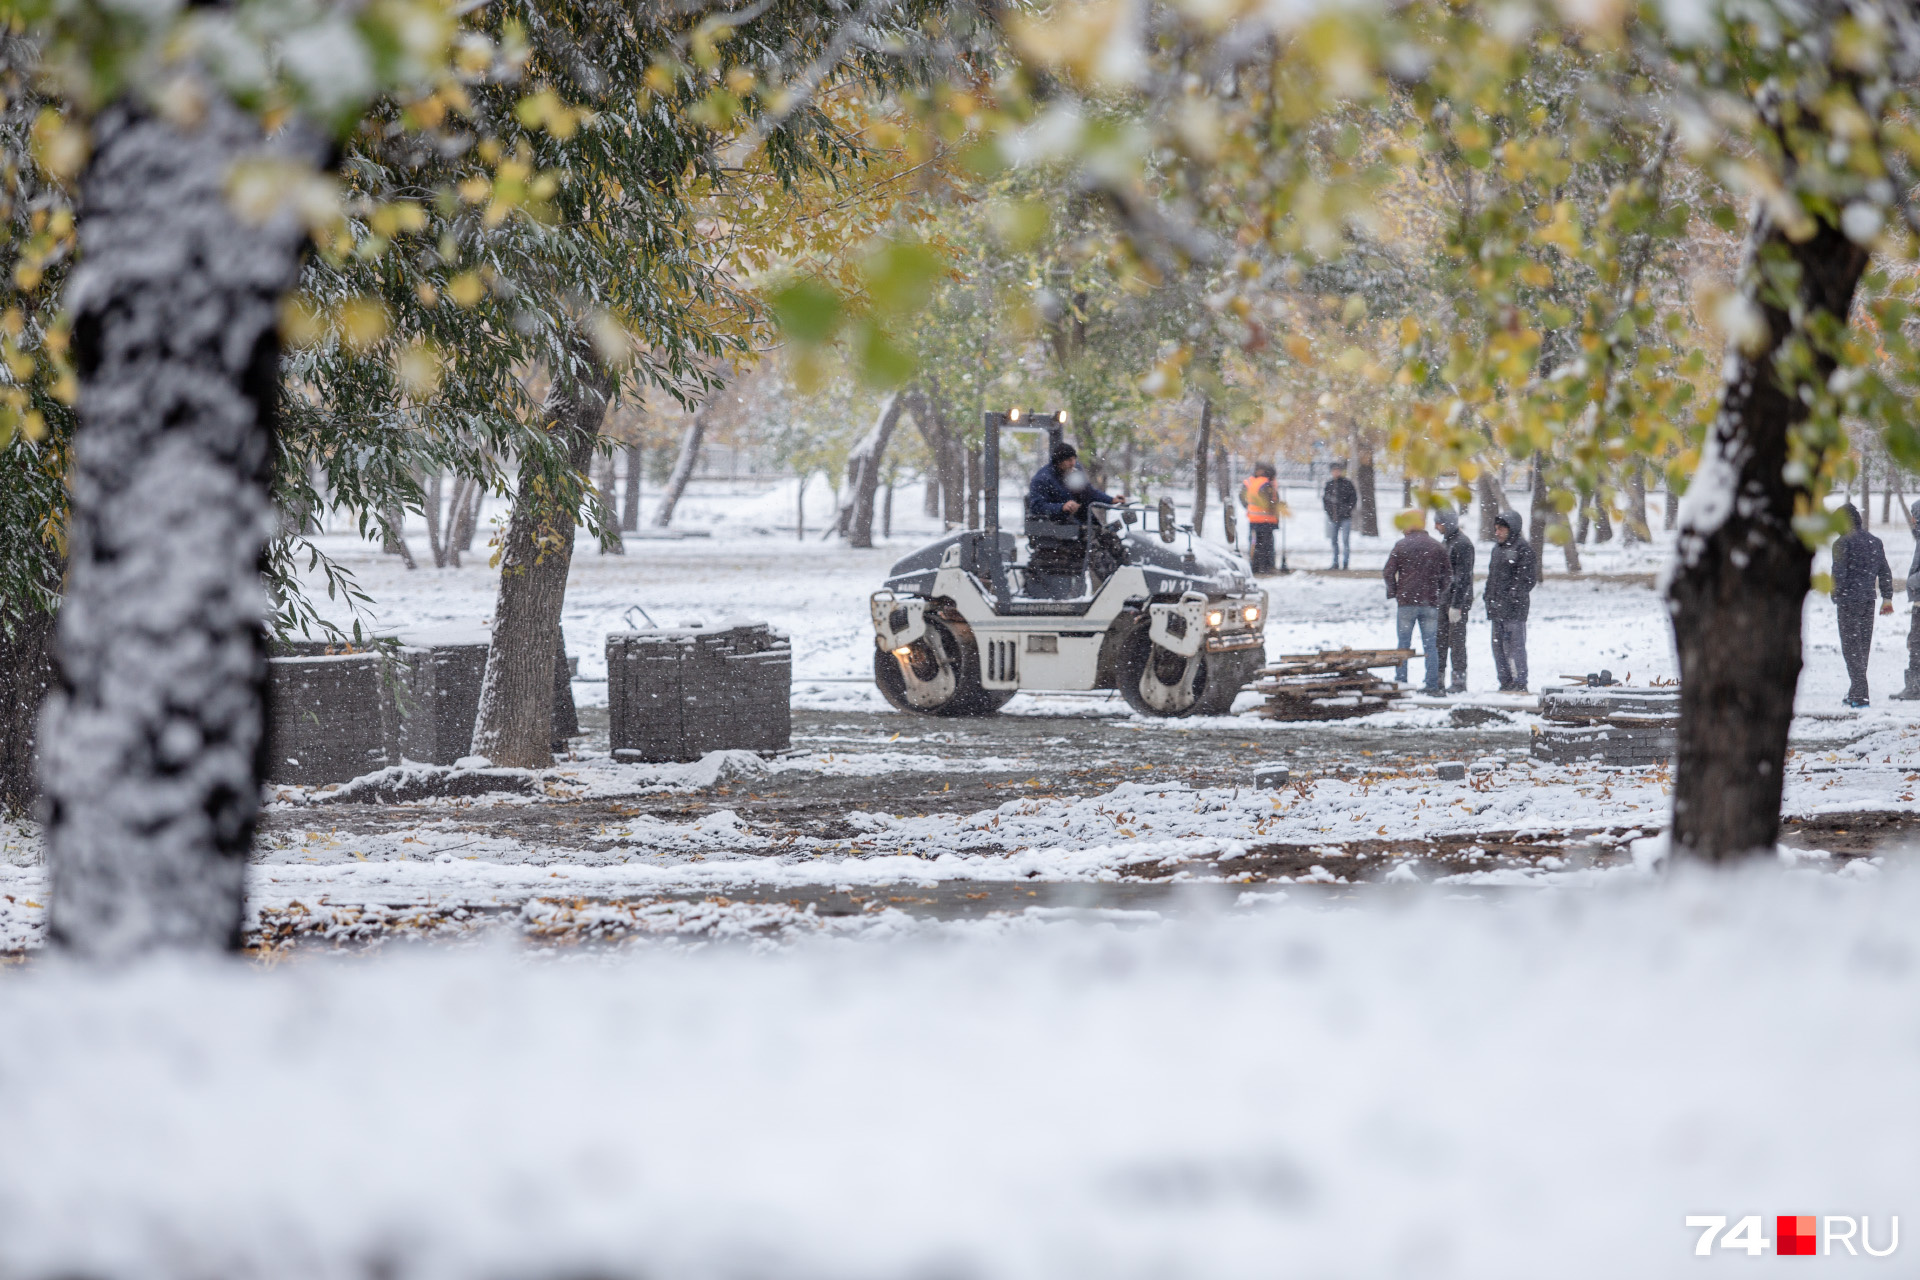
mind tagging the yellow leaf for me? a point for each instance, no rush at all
(363, 322)
(466, 288)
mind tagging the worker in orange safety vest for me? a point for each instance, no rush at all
(1262, 501)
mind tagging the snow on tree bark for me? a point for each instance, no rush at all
(863, 473)
(630, 494)
(153, 748)
(514, 724)
(1202, 446)
(1741, 572)
(26, 674)
(1492, 503)
(690, 444)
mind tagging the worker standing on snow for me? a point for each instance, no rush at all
(1338, 499)
(1419, 579)
(1262, 501)
(1510, 577)
(1453, 612)
(1912, 689)
(1859, 565)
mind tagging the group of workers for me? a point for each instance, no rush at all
(1431, 580)
(1860, 572)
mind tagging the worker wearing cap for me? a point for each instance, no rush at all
(1060, 493)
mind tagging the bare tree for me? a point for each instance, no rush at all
(691, 442)
(630, 495)
(1202, 445)
(864, 464)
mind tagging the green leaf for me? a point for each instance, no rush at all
(900, 277)
(881, 363)
(807, 310)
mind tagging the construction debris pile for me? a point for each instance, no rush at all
(1608, 725)
(1334, 684)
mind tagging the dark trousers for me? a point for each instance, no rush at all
(1913, 653)
(1510, 652)
(1260, 547)
(1452, 640)
(1856, 643)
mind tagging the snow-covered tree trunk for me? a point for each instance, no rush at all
(1492, 503)
(1367, 517)
(394, 539)
(514, 726)
(466, 522)
(863, 473)
(436, 543)
(690, 444)
(152, 754)
(1202, 446)
(1636, 530)
(603, 494)
(630, 495)
(1741, 572)
(26, 674)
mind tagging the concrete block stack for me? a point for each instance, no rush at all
(333, 716)
(330, 717)
(677, 694)
(1608, 725)
(440, 674)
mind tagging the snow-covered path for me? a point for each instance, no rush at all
(1542, 1085)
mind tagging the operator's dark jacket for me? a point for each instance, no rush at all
(1418, 571)
(1339, 498)
(1859, 565)
(1460, 555)
(1048, 495)
(1510, 574)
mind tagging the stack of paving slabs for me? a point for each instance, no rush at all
(440, 673)
(337, 712)
(678, 694)
(330, 716)
(1334, 684)
(1608, 724)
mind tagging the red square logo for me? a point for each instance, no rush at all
(1795, 1236)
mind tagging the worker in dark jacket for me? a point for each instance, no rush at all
(1060, 494)
(1060, 491)
(1510, 578)
(1912, 689)
(1419, 579)
(1453, 612)
(1338, 499)
(1859, 565)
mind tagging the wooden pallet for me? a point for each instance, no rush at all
(1334, 684)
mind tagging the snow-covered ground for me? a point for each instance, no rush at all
(1527, 1068)
(751, 565)
(1519, 1086)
